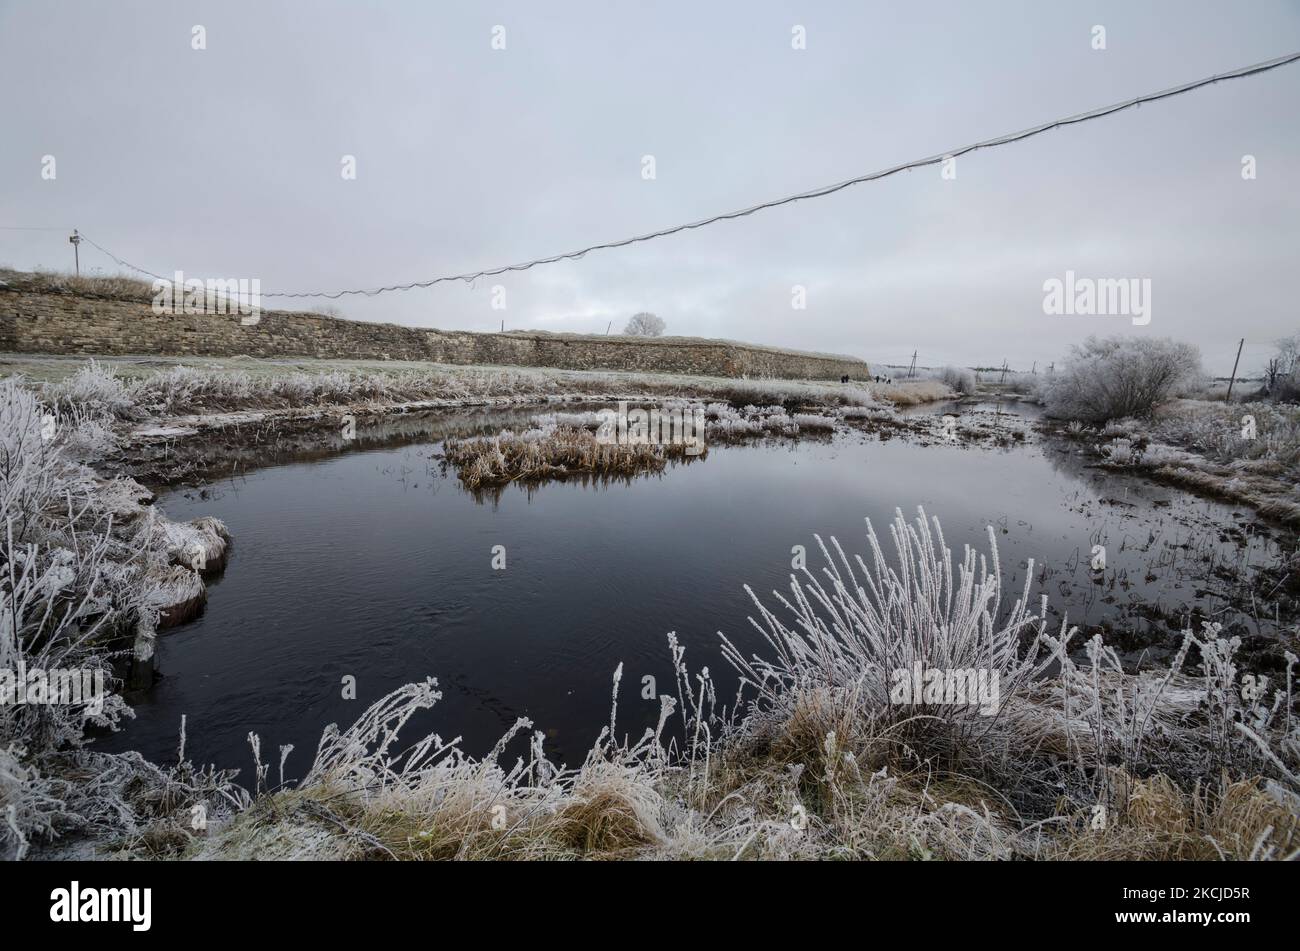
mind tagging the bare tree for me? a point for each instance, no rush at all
(1272, 371)
(644, 324)
(1282, 372)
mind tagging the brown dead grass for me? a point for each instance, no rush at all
(1158, 821)
(564, 452)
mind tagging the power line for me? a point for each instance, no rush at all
(125, 264)
(1006, 139)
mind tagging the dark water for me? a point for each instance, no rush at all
(374, 564)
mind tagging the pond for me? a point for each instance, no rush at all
(376, 565)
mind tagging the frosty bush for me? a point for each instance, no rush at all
(72, 574)
(1115, 377)
(814, 421)
(959, 379)
(863, 622)
(94, 390)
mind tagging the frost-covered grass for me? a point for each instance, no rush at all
(1211, 447)
(813, 421)
(82, 569)
(105, 285)
(912, 392)
(184, 390)
(1220, 432)
(816, 760)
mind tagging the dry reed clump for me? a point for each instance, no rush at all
(912, 392)
(563, 444)
(1078, 761)
(1157, 821)
(560, 453)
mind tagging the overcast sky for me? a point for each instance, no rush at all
(226, 162)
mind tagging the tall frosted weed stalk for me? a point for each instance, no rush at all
(861, 622)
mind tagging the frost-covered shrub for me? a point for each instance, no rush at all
(727, 428)
(89, 439)
(726, 424)
(94, 390)
(864, 622)
(190, 390)
(864, 412)
(814, 421)
(74, 565)
(1122, 452)
(1120, 376)
(720, 411)
(959, 379)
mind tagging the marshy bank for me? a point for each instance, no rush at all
(1246, 453)
(374, 563)
(171, 420)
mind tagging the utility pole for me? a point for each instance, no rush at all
(607, 326)
(913, 366)
(75, 241)
(1033, 371)
(1233, 379)
(1004, 372)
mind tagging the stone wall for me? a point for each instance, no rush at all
(37, 319)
